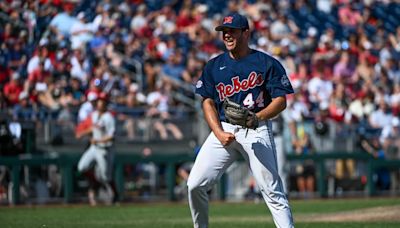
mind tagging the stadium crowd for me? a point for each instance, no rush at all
(341, 56)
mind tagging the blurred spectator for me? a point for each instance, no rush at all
(296, 113)
(75, 92)
(349, 16)
(364, 69)
(320, 89)
(395, 100)
(173, 70)
(3, 183)
(81, 32)
(343, 71)
(139, 20)
(345, 168)
(99, 42)
(283, 27)
(151, 71)
(326, 51)
(87, 107)
(338, 105)
(41, 59)
(13, 88)
(309, 44)
(390, 139)
(62, 67)
(381, 116)
(325, 6)
(363, 105)
(17, 55)
(38, 76)
(374, 147)
(183, 171)
(4, 69)
(321, 121)
(24, 110)
(305, 172)
(159, 102)
(3, 101)
(6, 139)
(61, 24)
(285, 54)
(134, 99)
(299, 77)
(104, 16)
(395, 39)
(10, 145)
(43, 88)
(80, 66)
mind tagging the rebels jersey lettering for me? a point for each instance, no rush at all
(251, 81)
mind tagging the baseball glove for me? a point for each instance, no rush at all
(235, 114)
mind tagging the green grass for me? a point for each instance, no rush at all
(177, 215)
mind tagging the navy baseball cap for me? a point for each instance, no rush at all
(235, 21)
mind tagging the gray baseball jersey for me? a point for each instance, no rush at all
(100, 153)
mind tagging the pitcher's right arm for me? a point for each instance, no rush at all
(211, 116)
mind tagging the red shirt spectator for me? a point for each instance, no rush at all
(12, 89)
(38, 75)
(184, 19)
(349, 16)
(4, 74)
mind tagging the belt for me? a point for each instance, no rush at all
(260, 123)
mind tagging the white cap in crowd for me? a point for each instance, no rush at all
(23, 95)
(92, 96)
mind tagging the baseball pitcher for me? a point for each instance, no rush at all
(242, 90)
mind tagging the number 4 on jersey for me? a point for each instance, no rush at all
(249, 101)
